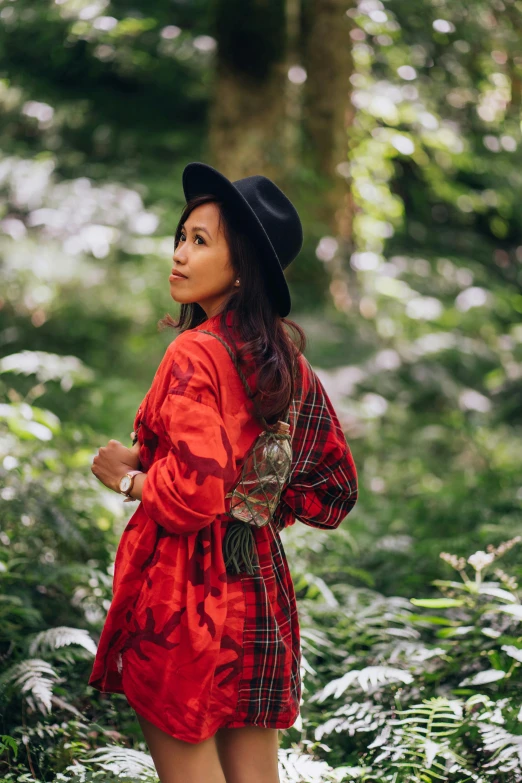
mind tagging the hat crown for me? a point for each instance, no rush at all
(276, 213)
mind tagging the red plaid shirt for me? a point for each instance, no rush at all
(193, 648)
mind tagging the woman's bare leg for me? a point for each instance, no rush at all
(177, 761)
(249, 754)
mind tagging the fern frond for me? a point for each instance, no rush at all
(124, 762)
(297, 767)
(34, 679)
(513, 652)
(420, 739)
(53, 638)
(370, 676)
(353, 718)
(484, 677)
(64, 705)
(306, 665)
(433, 718)
(314, 636)
(414, 653)
(328, 596)
(506, 748)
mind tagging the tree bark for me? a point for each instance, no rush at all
(328, 115)
(247, 124)
(327, 110)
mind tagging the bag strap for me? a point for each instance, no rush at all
(249, 392)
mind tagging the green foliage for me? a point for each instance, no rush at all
(423, 352)
(419, 697)
(415, 332)
(57, 545)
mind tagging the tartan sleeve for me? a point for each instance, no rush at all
(323, 486)
(185, 490)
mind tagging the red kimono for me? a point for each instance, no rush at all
(193, 648)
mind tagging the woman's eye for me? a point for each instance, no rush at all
(197, 237)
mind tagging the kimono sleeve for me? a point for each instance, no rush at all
(185, 490)
(323, 486)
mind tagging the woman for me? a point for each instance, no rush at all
(209, 659)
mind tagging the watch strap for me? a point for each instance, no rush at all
(131, 474)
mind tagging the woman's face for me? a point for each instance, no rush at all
(203, 256)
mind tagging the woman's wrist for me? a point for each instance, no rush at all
(135, 492)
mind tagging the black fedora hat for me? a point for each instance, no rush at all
(271, 220)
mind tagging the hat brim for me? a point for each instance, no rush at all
(200, 178)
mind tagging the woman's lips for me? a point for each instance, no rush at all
(177, 276)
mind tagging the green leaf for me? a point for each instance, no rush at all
(462, 630)
(448, 583)
(6, 741)
(484, 677)
(428, 618)
(437, 603)
(497, 592)
(516, 611)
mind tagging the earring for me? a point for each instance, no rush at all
(237, 281)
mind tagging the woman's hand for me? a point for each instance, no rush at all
(113, 461)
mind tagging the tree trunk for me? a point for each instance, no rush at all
(327, 110)
(247, 123)
(327, 117)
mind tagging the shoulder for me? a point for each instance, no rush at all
(205, 350)
(197, 365)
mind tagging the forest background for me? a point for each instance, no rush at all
(395, 129)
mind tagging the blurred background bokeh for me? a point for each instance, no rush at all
(394, 127)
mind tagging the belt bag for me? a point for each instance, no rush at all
(255, 495)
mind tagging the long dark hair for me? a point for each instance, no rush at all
(262, 330)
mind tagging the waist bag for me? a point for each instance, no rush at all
(255, 495)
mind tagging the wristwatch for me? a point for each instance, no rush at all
(127, 483)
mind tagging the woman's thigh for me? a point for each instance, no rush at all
(249, 754)
(177, 761)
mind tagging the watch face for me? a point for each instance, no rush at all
(125, 483)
